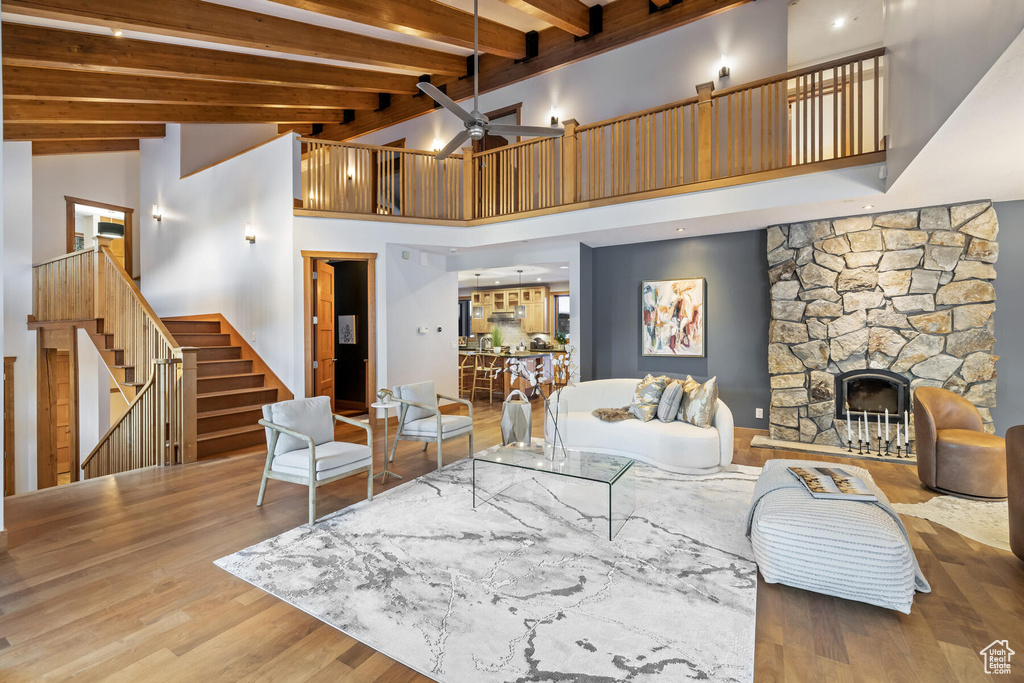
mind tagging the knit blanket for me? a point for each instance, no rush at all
(850, 535)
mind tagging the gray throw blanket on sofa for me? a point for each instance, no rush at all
(775, 476)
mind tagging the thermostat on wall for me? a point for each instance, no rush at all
(422, 330)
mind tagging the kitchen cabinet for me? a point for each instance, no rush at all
(534, 299)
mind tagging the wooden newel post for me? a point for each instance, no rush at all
(468, 177)
(98, 293)
(189, 371)
(705, 121)
(569, 155)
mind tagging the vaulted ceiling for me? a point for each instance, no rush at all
(99, 75)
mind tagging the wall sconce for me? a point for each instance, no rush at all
(554, 116)
(436, 146)
(157, 214)
(724, 71)
(250, 234)
(350, 174)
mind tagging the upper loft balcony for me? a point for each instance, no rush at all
(818, 118)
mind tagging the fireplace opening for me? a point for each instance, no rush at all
(871, 391)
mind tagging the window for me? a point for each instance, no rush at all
(562, 313)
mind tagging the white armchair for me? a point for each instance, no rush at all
(420, 419)
(301, 447)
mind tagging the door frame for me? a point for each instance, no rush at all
(129, 239)
(308, 306)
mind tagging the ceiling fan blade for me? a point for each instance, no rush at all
(529, 131)
(456, 142)
(446, 102)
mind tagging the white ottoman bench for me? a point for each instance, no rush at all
(850, 549)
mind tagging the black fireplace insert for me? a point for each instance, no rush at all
(873, 391)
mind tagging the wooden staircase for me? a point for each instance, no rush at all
(232, 386)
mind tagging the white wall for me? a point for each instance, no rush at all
(19, 341)
(661, 69)
(938, 51)
(196, 259)
(112, 178)
(94, 396)
(421, 293)
(204, 144)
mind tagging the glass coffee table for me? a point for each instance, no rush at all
(617, 495)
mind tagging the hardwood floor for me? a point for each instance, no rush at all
(114, 579)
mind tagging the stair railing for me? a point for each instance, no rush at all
(149, 431)
(163, 424)
(159, 426)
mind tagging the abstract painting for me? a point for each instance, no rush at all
(673, 318)
(346, 329)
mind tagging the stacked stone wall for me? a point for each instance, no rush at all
(908, 291)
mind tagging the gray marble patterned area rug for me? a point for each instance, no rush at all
(527, 586)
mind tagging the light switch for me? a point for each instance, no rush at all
(422, 330)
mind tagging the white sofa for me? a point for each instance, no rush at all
(674, 446)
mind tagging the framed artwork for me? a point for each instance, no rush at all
(346, 329)
(672, 318)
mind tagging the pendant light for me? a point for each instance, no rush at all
(478, 311)
(520, 309)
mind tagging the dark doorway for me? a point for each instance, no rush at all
(352, 348)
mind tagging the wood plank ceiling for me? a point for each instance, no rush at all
(99, 75)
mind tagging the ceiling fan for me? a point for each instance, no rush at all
(477, 125)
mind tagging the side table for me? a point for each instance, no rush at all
(386, 407)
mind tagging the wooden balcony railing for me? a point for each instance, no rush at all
(823, 113)
(160, 423)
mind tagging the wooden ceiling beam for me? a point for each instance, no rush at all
(625, 21)
(50, 111)
(231, 26)
(25, 45)
(50, 147)
(424, 19)
(51, 132)
(27, 83)
(569, 15)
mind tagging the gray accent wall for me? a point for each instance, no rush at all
(1009, 283)
(737, 313)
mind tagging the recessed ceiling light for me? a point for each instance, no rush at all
(868, 206)
(564, 267)
(538, 279)
(497, 282)
(453, 250)
(680, 229)
(839, 22)
(118, 33)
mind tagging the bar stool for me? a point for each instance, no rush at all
(486, 375)
(467, 368)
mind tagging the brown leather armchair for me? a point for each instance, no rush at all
(1015, 487)
(954, 453)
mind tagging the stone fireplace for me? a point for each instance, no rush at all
(879, 305)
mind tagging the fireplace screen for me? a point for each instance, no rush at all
(873, 391)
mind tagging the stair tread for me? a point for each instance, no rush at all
(229, 432)
(227, 411)
(231, 392)
(236, 374)
(224, 360)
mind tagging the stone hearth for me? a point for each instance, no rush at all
(909, 291)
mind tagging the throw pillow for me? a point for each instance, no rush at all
(612, 414)
(647, 397)
(699, 402)
(668, 407)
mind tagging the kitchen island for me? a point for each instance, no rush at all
(541, 358)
